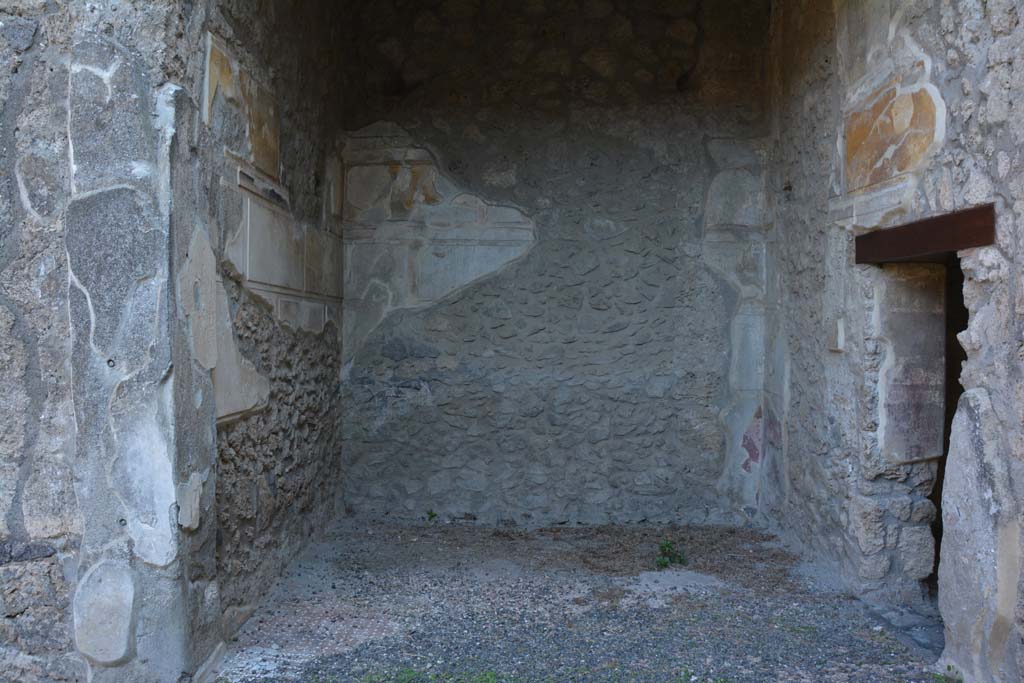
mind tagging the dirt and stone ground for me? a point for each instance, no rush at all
(440, 602)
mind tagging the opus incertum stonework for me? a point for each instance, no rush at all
(269, 263)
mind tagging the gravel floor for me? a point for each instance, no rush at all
(435, 603)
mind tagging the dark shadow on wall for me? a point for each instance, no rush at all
(587, 381)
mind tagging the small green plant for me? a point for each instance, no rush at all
(431, 515)
(669, 554)
(950, 675)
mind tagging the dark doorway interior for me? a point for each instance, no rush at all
(956, 322)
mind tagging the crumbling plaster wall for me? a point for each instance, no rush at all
(92, 522)
(613, 371)
(91, 557)
(259, 277)
(132, 340)
(905, 109)
(40, 529)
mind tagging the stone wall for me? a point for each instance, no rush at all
(653, 311)
(133, 340)
(40, 529)
(411, 235)
(260, 286)
(91, 553)
(613, 371)
(904, 108)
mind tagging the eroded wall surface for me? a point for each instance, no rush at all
(169, 303)
(611, 372)
(260, 283)
(886, 112)
(91, 554)
(40, 530)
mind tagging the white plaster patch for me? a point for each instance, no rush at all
(103, 607)
(190, 497)
(146, 485)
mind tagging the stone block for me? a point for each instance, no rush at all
(867, 518)
(39, 177)
(103, 609)
(917, 551)
(113, 138)
(48, 501)
(143, 477)
(116, 255)
(874, 567)
(980, 564)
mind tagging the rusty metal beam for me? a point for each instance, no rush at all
(929, 239)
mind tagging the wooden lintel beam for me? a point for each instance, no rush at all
(929, 239)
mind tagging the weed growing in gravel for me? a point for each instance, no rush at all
(951, 675)
(669, 555)
(431, 515)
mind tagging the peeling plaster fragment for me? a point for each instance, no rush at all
(892, 132)
(413, 236)
(103, 612)
(144, 479)
(239, 389)
(737, 197)
(263, 129)
(190, 495)
(751, 442)
(220, 77)
(197, 297)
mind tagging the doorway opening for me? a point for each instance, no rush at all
(956, 322)
(937, 240)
